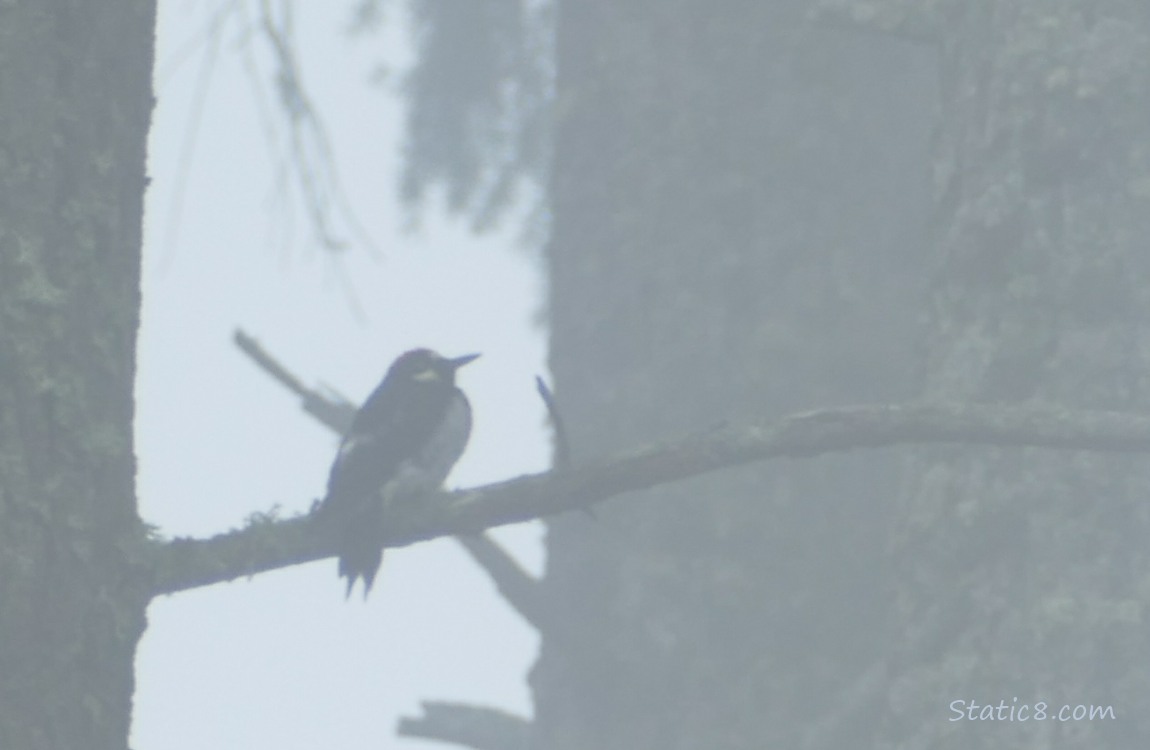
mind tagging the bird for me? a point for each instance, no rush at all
(403, 441)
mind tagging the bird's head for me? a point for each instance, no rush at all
(426, 366)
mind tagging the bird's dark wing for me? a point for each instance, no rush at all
(387, 432)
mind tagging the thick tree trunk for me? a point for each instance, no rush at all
(75, 102)
(739, 205)
(1023, 574)
(735, 211)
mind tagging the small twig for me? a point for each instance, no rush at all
(471, 726)
(334, 411)
(562, 453)
(311, 152)
(562, 457)
(252, 348)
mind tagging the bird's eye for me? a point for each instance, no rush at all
(427, 375)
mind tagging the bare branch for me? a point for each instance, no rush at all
(529, 599)
(272, 544)
(471, 726)
(332, 410)
(185, 563)
(516, 585)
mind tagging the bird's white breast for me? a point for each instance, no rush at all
(427, 470)
(447, 444)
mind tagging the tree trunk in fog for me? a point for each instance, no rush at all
(741, 210)
(75, 100)
(740, 207)
(1022, 573)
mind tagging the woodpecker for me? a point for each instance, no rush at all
(403, 441)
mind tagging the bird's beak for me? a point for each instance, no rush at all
(461, 361)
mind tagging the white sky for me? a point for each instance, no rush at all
(282, 661)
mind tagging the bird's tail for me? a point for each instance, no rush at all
(360, 556)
